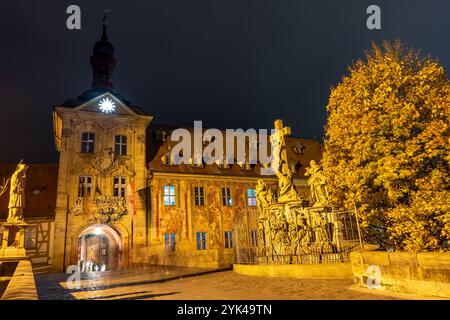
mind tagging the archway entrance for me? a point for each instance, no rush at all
(99, 249)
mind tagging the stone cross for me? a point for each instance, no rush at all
(279, 139)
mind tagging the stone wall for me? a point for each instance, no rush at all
(335, 270)
(22, 285)
(426, 273)
(214, 258)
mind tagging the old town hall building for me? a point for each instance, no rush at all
(116, 200)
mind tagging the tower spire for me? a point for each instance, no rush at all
(105, 25)
(102, 60)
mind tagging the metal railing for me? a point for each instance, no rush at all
(300, 242)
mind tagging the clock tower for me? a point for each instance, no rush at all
(101, 215)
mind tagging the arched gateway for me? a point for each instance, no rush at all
(99, 249)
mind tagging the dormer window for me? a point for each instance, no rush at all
(87, 142)
(167, 159)
(160, 136)
(298, 148)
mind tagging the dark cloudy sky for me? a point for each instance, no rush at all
(230, 63)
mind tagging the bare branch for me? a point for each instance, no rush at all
(4, 186)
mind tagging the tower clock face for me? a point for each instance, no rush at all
(106, 105)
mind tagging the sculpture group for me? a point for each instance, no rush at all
(288, 226)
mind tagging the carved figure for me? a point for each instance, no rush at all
(264, 196)
(286, 187)
(17, 194)
(317, 183)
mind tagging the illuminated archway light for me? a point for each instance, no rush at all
(106, 105)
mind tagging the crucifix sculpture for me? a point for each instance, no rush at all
(278, 140)
(286, 186)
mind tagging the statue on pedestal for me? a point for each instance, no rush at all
(17, 194)
(14, 228)
(317, 183)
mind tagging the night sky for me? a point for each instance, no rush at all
(230, 63)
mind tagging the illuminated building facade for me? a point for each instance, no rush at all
(117, 200)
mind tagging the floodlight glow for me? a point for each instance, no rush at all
(98, 231)
(106, 105)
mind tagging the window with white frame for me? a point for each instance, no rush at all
(199, 196)
(251, 198)
(120, 145)
(87, 142)
(226, 197)
(119, 187)
(30, 237)
(169, 195)
(84, 186)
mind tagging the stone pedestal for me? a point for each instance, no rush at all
(13, 244)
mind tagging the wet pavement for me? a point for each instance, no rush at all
(198, 284)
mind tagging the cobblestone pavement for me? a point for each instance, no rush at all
(165, 283)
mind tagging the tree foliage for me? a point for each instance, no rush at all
(387, 147)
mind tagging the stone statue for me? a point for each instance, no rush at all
(304, 236)
(278, 141)
(280, 233)
(264, 196)
(317, 183)
(17, 194)
(320, 228)
(286, 187)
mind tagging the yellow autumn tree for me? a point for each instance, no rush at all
(387, 144)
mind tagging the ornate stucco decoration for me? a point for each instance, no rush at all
(104, 209)
(104, 163)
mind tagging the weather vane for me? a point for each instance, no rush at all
(105, 16)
